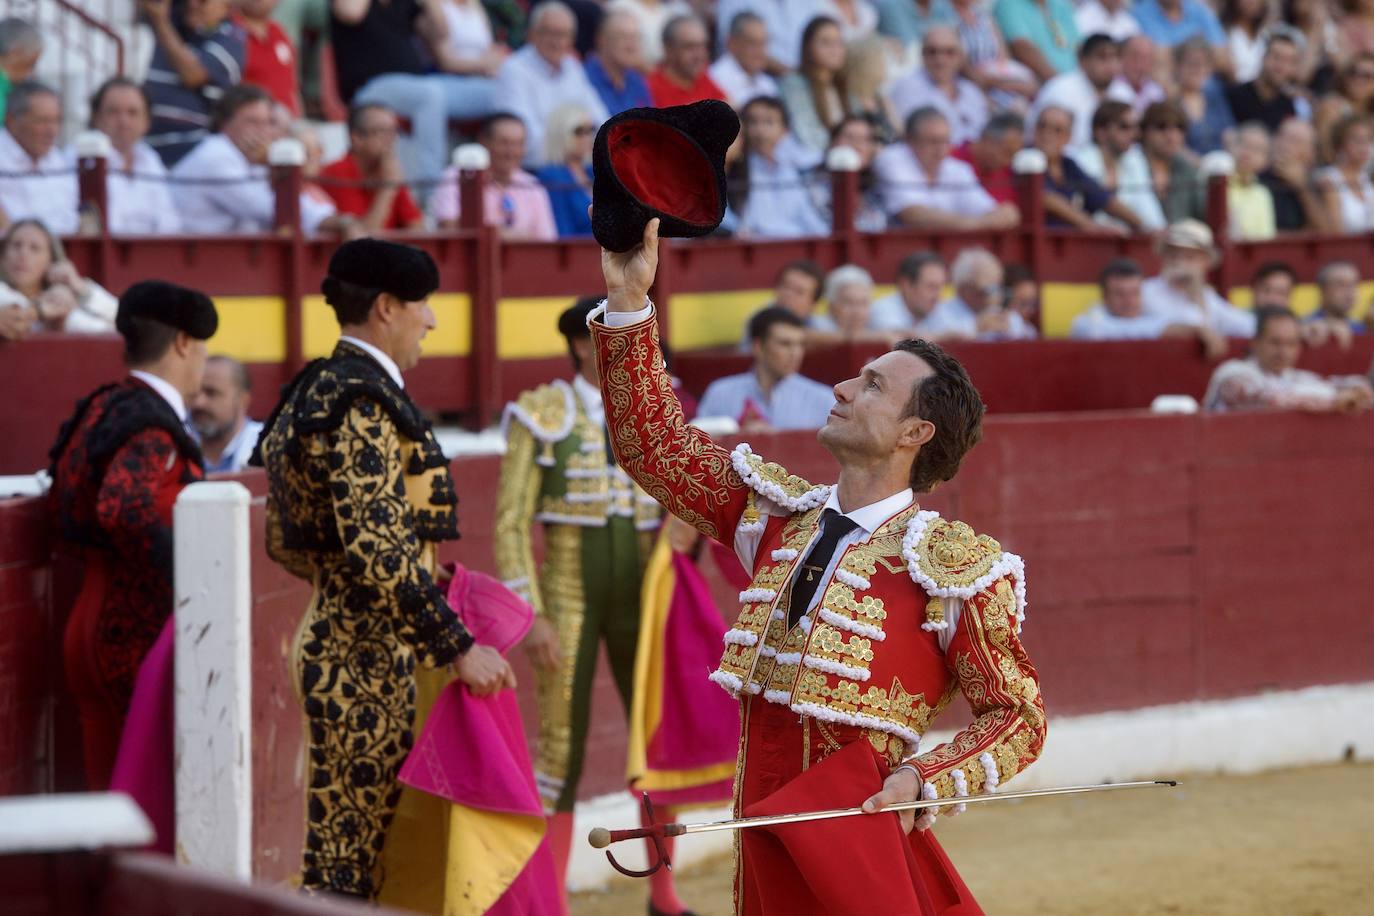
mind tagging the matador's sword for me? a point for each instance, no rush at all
(600, 837)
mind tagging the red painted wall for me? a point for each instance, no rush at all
(1169, 559)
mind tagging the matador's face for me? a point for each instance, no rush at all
(867, 423)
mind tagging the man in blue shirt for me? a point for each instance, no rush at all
(772, 395)
(199, 54)
(613, 70)
(219, 416)
(1169, 23)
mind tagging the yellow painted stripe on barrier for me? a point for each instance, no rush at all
(1060, 303)
(527, 327)
(1306, 298)
(700, 320)
(452, 335)
(251, 328)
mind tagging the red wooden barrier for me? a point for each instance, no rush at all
(1169, 559)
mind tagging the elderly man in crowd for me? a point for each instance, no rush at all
(920, 281)
(1121, 316)
(21, 44)
(1115, 161)
(1181, 293)
(514, 200)
(36, 177)
(1136, 81)
(977, 311)
(772, 394)
(1080, 91)
(1269, 377)
(991, 154)
(139, 200)
(924, 187)
(849, 295)
(198, 56)
(937, 84)
(238, 150)
(1297, 204)
(682, 77)
(741, 72)
(219, 415)
(372, 157)
(1338, 284)
(545, 74)
(614, 70)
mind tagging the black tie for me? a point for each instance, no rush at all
(834, 527)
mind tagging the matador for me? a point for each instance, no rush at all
(866, 615)
(359, 497)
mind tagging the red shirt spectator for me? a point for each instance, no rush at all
(356, 200)
(997, 182)
(682, 78)
(665, 91)
(269, 60)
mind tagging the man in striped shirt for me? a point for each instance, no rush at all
(199, 55)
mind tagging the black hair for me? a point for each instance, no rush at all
(1093, 43)
(949, 400)
(1269, 313)
(1270, 268)
(913, 265)
(234, 98)
(765, 319)
(1118, 268)
(146, 340)
(356, 112)
(352, 302)
(490, 121)
(117, 82)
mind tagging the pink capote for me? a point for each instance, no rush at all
(472, 751)
(144, 767)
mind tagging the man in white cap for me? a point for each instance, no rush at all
(1181, 293)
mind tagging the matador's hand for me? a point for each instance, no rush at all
(542, 645)
(484, 670)
(902, 786)
(629, 274)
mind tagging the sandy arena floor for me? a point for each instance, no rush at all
(1214, 846)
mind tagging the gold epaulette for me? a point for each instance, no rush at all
(949, 560)
(547, 412)
(773, 482)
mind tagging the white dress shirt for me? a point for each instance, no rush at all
(590, 396)
(164, 389)
(47, 191)
(903, 183)
(740, 87)
(245, 205)
(1072, 92)
(386, 362)
(954, 316)
(531, 89)
(1161, 300)
(140, 199)
(1099, 324)
(966, 113)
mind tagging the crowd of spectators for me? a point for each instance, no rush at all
(1123, 98)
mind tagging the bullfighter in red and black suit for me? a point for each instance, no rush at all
(117, 467)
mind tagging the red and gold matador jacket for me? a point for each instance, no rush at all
(922, 610)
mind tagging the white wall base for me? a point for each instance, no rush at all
(1245, 735)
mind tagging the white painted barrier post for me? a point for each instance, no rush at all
(214, 761)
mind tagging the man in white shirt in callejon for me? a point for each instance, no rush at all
(938, 84)
(37, 177)
(219, 416)
(1181, 293)
(1120, 316)
(1081, 90)
(545, 74)
(977, 311)
(773, 394)
(922, 186)
(740, 71)
(1270, 378)
(238, 150)
(139, 199)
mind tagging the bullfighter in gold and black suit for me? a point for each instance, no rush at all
(359, 496)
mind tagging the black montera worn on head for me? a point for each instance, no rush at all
(667, 163)
(405, 272)
(185, 309)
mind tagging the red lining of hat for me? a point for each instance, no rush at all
(664, 169)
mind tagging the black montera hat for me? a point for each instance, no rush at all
(661, 162)
(185, 309)
(406, 272)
